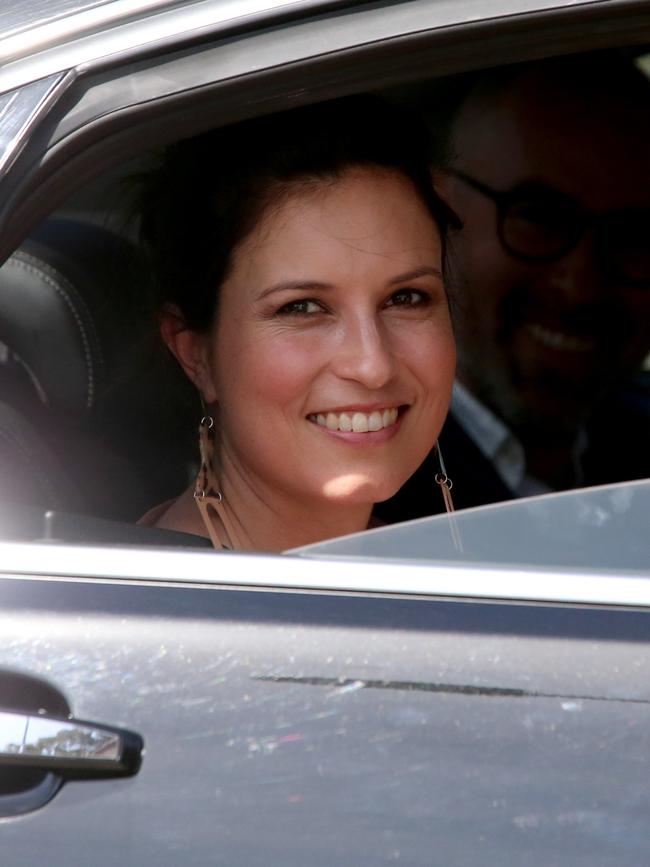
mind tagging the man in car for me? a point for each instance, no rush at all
(550, 281)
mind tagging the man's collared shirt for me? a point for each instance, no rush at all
(496, 442)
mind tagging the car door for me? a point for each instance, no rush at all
(286, 720)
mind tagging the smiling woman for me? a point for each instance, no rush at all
(301, 263)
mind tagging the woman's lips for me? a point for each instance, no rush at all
(356, 421)
(360, 428)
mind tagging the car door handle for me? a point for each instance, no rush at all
(73, 749)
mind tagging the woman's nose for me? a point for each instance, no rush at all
(366, 354)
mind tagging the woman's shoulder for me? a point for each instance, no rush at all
(153, 516)
(178, 515)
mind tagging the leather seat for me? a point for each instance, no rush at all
(74, 306)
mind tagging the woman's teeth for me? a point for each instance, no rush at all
(357, 422)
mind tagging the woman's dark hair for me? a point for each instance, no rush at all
(209, 192)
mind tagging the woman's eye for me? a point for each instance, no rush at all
(303, 307)
(408, 298)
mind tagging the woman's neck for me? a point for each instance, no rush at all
(270, 521)
(262, 524)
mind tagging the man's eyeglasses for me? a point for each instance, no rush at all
(538, 224)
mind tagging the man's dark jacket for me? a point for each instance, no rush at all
(619, 450)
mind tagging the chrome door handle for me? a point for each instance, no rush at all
(74, 749)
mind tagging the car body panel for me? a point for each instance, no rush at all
(295, 727)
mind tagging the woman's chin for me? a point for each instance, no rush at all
(357, 489)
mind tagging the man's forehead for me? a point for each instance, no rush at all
(588, 143)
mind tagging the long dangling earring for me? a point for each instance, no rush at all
(446, 485)
(207, 495)
(444, 481)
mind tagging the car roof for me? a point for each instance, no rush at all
(37, 15)
(37, 25)
(32, 27)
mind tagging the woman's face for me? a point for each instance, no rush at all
(333, 356)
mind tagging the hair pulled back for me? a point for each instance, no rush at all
(209, 192)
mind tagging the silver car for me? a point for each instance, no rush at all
(455, 690)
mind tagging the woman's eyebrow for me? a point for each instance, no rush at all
(296, 286)
(315, 285)
(422, 271)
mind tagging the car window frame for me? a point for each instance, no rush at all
(324, 574)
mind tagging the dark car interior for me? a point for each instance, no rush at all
(96, 423)
(86, 432)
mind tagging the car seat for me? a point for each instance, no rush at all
(80, 402)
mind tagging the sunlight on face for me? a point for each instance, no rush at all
(333, 356)
(343, 486)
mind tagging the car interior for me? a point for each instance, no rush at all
(96, 423)
(84, 387)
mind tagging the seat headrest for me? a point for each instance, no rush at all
(54, 292)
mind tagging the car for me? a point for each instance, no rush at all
(465, 689)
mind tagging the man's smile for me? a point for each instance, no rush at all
(557, 339)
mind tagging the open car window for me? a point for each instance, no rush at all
(101, 429)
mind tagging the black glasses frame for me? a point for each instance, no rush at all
(581, 218)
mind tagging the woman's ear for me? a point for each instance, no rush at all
(190, 349)
(441, 183)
